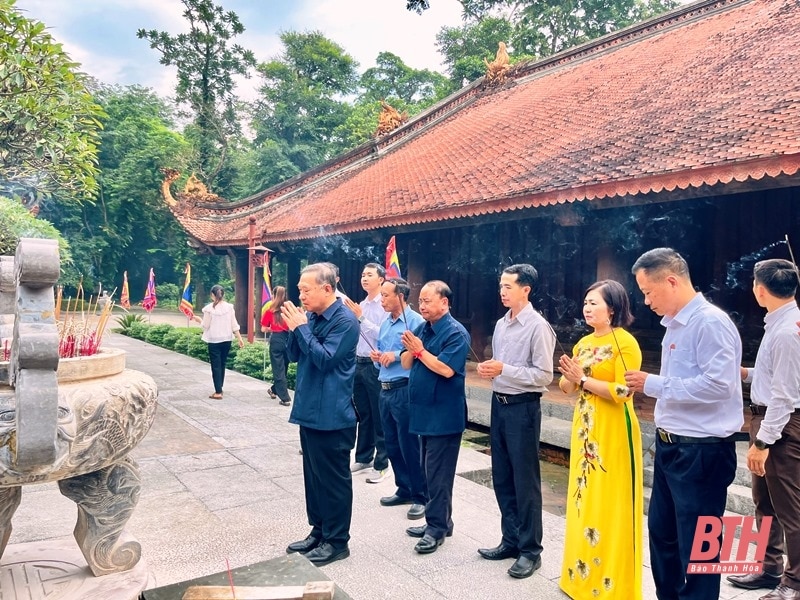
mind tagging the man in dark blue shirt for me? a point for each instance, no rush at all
(436, 353)
(323, 343)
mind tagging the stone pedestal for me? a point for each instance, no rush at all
(56, 570)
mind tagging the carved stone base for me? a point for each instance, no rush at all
(56, 570)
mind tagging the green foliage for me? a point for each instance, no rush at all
(291, 376)
(138, 330)
(197, 348)
(465, 48)
(206, 65)
(49, 135)
(178, 338)
(169, 293)
(155, 333)
(128, 320)
(250, 360)
(17, 222)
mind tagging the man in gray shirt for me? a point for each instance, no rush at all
(774, 455)
(520, 370)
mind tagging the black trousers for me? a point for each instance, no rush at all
(402, 446)
(516, 473)
(218, 356)
(689, 481)
(439, 458)
(279, 361)
(366, 397)
(328, 483)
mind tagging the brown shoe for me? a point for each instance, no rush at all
(782, 592)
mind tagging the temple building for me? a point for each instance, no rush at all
(681, 131)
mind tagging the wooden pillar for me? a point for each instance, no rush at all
(242, 267)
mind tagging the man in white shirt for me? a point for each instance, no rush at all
(774, 455)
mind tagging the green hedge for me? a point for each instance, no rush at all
(251, 360)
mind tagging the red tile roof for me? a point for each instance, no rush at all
(707, 94)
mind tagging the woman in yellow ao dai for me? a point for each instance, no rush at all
(603, 542)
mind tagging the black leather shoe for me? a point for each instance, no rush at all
(325, 554)
(428, 544)
(524, 567)
(303, 546)
(755, 581)
(500, 552)
(395, 500)
(419, 531)
(417, 511)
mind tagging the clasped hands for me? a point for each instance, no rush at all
(293, 316)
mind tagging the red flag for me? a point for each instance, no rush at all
(266, 290)
(125, 296)
(149, 301)
(392, 262)
(186, 299)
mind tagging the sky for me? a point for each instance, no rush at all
(101, 34)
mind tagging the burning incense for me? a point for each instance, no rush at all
(791, 255)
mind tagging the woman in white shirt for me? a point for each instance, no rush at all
(219, 326)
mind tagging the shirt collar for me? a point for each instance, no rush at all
(775, 315)
(522, 316)
(328, 312)
(686, 312)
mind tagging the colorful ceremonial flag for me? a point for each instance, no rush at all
(392, 262)
(266, 290)
(149, 301)
(186, 306)
(125, 297)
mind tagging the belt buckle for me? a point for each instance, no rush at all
(386, 385)
(502, 398)
(665, 436)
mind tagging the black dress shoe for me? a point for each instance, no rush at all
(395, 500)
(428, 544)
(754, 581)
(417, 511)
(325, 554)
(524, 567)
(303, 546)
(500, 552)
(419, 531)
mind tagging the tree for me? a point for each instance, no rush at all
(544, 27)
(464, 48)
(48, 122)
(301, 102)
(206, 66)
(128, 227)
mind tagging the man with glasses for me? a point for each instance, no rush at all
(322, 340)
(436, 353)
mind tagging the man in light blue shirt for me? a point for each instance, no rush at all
(774, 454)
(698, 408)
(402, 446)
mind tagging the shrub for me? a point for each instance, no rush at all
(232, 356)
(155, 334)
(197, 348)
(178, 339)
(250, 361)
(169, 293)
(126, 321)
(291, 377)
(138, 330)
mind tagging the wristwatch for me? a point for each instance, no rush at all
(761, 445)
(583, 380)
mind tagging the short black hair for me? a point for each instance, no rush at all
(657, 261)
(217, 291)
(526, 275)
(378, 269)
(616, 297)
(778, 275)
(400, 287)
